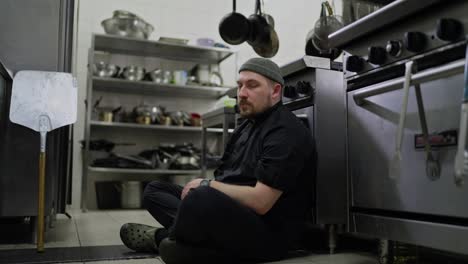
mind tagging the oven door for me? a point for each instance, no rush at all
(372, 130)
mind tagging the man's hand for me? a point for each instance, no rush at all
(193, 184)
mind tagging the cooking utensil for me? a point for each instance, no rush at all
(216, 79)
(107, 114)
(43, 101)
(180, 118)
(155, 75)
(234, 28)
(432, 164)
(126, 24)
(317, 39)
(270, 47)
(395, 166)
(133, 73)
(146, 114)
(259, 30)
(102, 69)
(202, 73)
(104, 144)
(263, 37)
(461, 158)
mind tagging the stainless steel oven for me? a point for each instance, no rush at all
(314, 91)
(404, 78)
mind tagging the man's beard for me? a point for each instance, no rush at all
(247, 110)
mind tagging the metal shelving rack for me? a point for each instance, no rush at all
(144, 48)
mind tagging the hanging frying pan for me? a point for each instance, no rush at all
(263, 37)
(234, 28)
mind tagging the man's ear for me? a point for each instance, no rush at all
(276, 91)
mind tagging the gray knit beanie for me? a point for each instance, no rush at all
(264, 67)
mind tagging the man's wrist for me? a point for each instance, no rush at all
(205, 182)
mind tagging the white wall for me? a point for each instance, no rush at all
(187, 19)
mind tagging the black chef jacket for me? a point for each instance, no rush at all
(276, 149)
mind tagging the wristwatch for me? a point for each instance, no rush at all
(205, 182)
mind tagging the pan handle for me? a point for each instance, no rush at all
(432, 74)
(41, 201)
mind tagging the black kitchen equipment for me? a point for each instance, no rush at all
(234, 28)
(263, 38)
(290, 92)
(257, 30)
(123, 161)
(103, 144)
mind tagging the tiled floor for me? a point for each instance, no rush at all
(99, 228)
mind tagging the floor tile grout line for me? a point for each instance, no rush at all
(115, 220)
(77, 232)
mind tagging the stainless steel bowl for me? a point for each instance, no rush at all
(133, 73)
(102, 69)
(127, 24)
(155, 75)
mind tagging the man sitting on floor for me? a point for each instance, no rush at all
(254, 208)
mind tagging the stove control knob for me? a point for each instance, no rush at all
(415, 41)
(354, 64)
(394, 48)
(449, 29)
(377, 55)
(303, 87)
(290, 92)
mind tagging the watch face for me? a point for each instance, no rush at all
(205, 183)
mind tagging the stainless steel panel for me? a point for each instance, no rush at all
(440, 236)
(29, 32)
(426, 24)
(330, 134)
(150, 88)
(304, 63)
(447, 70)
(371, 138)
(377, 20)
(137, 47)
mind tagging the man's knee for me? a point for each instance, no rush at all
(152, 188)
(202, 199)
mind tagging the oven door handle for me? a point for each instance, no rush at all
(428, 75)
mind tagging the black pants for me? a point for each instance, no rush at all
(208, 218)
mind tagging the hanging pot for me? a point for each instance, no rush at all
(259, 28)
(234, 28)
(317, 38)
(263, 37)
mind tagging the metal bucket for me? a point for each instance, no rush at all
(130, 195)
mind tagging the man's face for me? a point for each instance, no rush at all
(255, 94)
